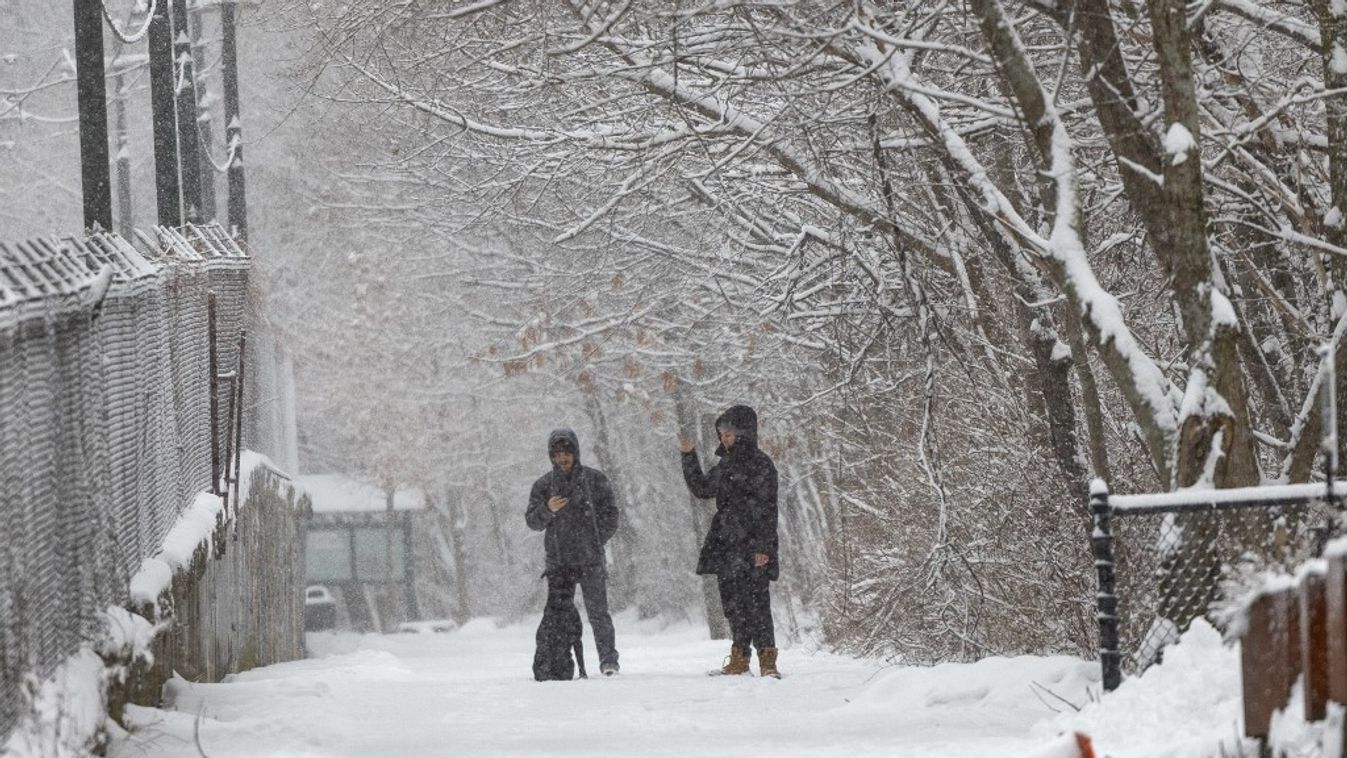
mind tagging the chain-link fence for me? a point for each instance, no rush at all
(105, 423)
(1167, 560)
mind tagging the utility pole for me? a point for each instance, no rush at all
(238, 206)
(206, 167)
(189, 143)
(168, 191)
(93, 108)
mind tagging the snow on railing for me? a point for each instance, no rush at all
(1170, 567)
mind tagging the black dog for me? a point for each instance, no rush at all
(557, 638)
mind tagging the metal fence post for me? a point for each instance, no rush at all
(1106, 602)
(1329, 403)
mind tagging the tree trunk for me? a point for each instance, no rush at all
(458, 523)
(1333, 30)
(716, 624)
(1089, 391)
(1212, 338)
(622, 582)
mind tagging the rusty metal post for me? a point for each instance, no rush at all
(229, 435)
(1314, 645)
(1106, 601)
(214, 362)
(1269, 659)
(1335, 591)
(238, 427)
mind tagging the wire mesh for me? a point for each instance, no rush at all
(104, 424)
(1173, 568)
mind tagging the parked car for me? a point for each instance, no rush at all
(320, 609)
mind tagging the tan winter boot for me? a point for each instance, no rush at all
(738, 663)
(767, 663)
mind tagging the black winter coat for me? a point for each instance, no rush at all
(575, 535)
(744, 485)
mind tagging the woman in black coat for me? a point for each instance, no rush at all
(741, 545)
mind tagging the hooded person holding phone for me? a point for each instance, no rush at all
(573, 505)
(741, 545)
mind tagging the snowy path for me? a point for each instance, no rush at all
(469, 693)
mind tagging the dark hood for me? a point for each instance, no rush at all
(745, 423)
(564, 434)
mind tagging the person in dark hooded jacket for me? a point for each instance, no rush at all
(741, 545)
(573, 505)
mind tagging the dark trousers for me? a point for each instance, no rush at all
(747, 600)
(593, 581)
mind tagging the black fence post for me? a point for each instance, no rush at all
(196, 15)
(189, 139)
(238, 206)
(168, 189)
(96, 181)
(1106, 602)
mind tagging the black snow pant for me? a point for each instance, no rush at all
(747, 600)
(593, 581)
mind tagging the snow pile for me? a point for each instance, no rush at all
(194, 527)
(1021, 689)
(472, 690)
(251, 461)
(1069, 745)
(151, 581)
(1293, 737)
(415, 694)
(1187, 706)
(128, 637)
(67, 711)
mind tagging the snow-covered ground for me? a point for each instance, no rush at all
(470, 693)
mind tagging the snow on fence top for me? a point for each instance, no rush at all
(1202, 499)
(192, 242)
(195, 526)
(55, 272)
(51, 274)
